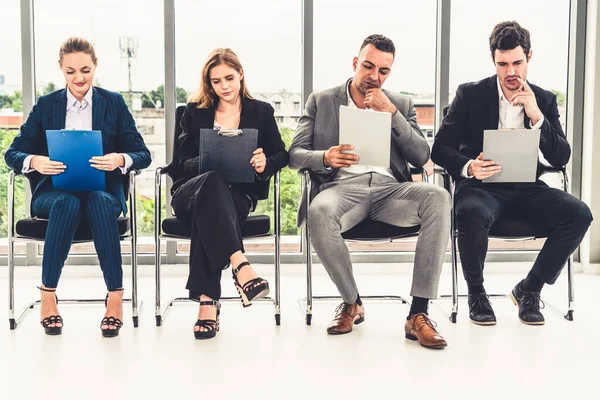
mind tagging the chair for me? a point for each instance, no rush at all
(366, 231)
(174, 229)
(34, 230)
(510, 229)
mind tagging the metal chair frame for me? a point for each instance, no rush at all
(306, 303)
(14, 320)
(451, 185)
(160, 312)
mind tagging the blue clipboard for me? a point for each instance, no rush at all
(228, 151)
(75, 149)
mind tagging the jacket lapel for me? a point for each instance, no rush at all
(59, 115)
(98, 109)
(340, 99)
(493, 103)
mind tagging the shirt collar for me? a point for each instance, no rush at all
(72, 101)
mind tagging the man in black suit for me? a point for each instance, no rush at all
(507, 100)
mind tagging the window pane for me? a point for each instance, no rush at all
(130, 51)
(269, 47)
(470, 57)
(11, 113)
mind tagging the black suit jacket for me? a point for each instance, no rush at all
(476, 108)
(255, 114)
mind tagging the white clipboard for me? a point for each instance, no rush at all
(369, 132)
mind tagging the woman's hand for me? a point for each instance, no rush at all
(108, 162)
(45, 166)
(259, 160)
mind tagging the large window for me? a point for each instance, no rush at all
(129, 47)
(470, 57)
(268, 44)
(11, 112)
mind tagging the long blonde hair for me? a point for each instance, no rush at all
(205, 96)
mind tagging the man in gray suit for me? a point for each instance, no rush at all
(344, 192)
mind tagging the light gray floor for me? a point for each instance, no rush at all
(253, 358)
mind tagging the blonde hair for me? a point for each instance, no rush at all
(205, 96)
(77, 45)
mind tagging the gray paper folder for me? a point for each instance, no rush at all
(515, 150)
(228, 151)
(75, 149)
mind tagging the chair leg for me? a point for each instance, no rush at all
(571, 289)
(157, 310)
(454, 256)
(309, 296)
(11, 284)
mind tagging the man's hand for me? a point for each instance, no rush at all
(376, 100)
(45, 166)
(259, 160)
(526, 98)
(334, 157)
(481, 169)
(108, 162)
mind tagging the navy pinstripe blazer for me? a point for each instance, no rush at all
(109, 115)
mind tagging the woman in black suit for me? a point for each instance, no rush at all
(215, 206)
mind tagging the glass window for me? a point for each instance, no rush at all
(470, 57)
(11, 114)
(411, 25)
(269, 46)
(130, 51)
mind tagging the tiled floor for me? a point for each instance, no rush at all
(252, 358)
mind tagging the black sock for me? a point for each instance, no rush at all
(532, 283)
(419, 305)
(358, 300)
(476, 289)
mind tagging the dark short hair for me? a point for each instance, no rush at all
(381, 43)
(508, 35)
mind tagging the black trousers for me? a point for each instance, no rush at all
(215, 212)
(478, 205)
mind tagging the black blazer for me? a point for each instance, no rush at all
(476, 108)
(255, 114)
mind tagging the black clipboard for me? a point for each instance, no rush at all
(228, 151)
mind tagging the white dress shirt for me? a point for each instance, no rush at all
(355, 170)
(79, 117)
(510, 117)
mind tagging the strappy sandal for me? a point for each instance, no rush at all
(211, 325)
(253, 289)
(52, 319)
(110, 321)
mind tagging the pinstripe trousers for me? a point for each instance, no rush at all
(64, 212)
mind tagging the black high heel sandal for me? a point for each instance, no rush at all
(110, 321)
(211, 325)
(53, 319)
(252, 289)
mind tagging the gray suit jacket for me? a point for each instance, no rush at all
(318, 130)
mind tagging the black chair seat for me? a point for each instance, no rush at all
(254, 225)
(512, 228)
(36, 228)
(375, 230)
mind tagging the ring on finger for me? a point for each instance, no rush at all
(483, 169)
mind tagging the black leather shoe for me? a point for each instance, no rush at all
(480, 309)
(529, 306)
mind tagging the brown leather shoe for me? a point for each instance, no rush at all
(346, 315)
(420, 327)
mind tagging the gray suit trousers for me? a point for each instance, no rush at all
(342, 204)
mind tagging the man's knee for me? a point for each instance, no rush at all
(581, 215)
(320, 213)
(473, 215)
(440, 200)
(102, 200)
